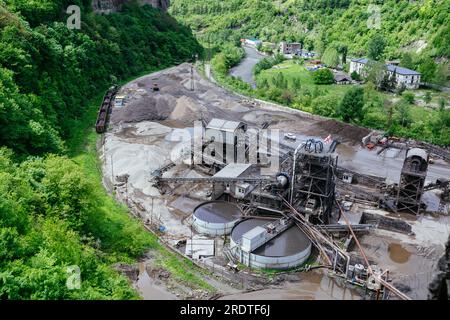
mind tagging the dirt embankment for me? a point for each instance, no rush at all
(345, 131)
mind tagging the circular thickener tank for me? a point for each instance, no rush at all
(216, 218)
(287, 250)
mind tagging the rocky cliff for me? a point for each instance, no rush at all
(439, 288)
(107, 6)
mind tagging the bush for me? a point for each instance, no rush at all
(323, 76)
(352, 104)
(408, 97)
(355, 76)
(324, 106)
(268, 63)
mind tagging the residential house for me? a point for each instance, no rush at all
(290, 48)
(251, 42)
(342, 78)
(409, 78)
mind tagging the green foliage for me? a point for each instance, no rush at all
(375, 72)
(403, 114)
(355, 76)
(427, 98)
(375, 47)
(323, 76)
(408, 97)
(331, 57)
(267, 63)
(325, 106)
(50, 216)
(351, 106)
(407, 61)
(49, 71)
(427, 67)
(319, 23)
(226, 59)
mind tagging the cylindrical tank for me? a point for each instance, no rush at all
(216, 218)
(287, 250)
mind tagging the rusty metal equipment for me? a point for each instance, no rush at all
(105, 110)
(313, 185)
(412, 181)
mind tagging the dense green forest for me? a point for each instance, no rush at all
(321, 22)
(54, 212)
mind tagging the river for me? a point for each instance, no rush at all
(244, 70)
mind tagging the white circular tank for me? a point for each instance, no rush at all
(216, 218)
(288, 250)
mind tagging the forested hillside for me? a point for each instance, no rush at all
(53, 210)
(422, 26)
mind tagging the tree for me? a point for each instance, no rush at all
(343, 49)
(427, 97)
(376, 47)
(427, 67)
(287, 97)
(355, 76)
(376, 72)
(408, 97)
(323, 76)
(441, 74)
(352, 104)
(442, 104)
(403, 114)
(331, 57)
(296, 83)
(319, 46)
(407, 61)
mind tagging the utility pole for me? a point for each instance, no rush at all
(112, 171)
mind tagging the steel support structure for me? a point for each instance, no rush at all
(412, 181)
(314, 182)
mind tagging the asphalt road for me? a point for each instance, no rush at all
(244, 70)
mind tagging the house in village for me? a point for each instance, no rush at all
(290, 47)
(409, 78)
(251, 42)
(342, 78)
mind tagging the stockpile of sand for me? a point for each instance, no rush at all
(187, 110)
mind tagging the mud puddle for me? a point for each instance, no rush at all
(398, 254)
(313, 286)
(149, 289)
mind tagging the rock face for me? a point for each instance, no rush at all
(439, 288)
(108, 6)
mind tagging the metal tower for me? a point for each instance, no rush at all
(412, 181)
(313, 186)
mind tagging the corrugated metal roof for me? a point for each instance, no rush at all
(342, 77)
(418, 153)
(361, 60)
(223, 125)
(401, 70)
(391, 67)
(233, 170)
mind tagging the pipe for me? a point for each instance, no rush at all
(293, 172)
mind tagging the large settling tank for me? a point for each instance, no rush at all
(216, 218)
(289, 249)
